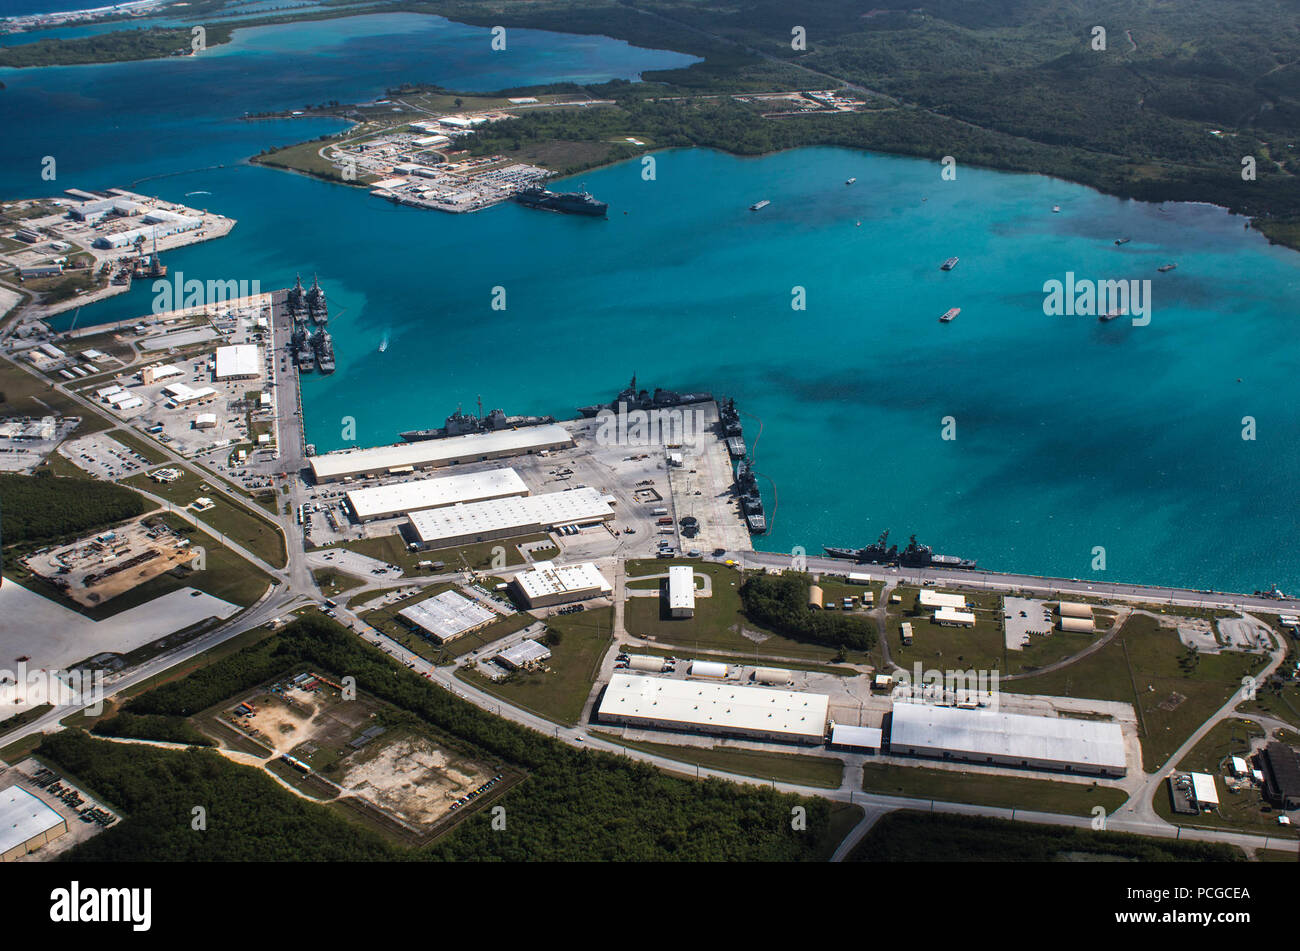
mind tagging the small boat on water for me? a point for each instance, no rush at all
(850, 181)
(949, 315)
(1056, 209)
(759, 205)
(1123, 240)
(1106, 318)
(948, 265)
(1166, 267)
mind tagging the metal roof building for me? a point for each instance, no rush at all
(718, 708)
(26, 823)
(385, 501)
(938, 599)
(681, 591)
(1075, 609)
(855, 737)
(547, 583)
(466, 523)
(431, 453)
(446, 616)
(1008, 739)
(238, 361)
(522, 655)
(954, 618)
(1203, 788)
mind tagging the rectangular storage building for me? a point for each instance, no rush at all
(1007, 739)
(472, 522)
(546, 584)
(432, 453)
(721, 709)
(385, 501)
(681, 591)
(26, 823)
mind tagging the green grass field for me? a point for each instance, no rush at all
(718, 620)
(391, 549)
(560, 692)
(232, 520)
(1146, 665)
(802, 768)
(1008, 792)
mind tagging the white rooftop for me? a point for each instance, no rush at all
(758, 709)
(1011, 735)
(241, 359)
(547, 579)
(951, 614)
(447, 615)
(333, 465)
(940, 599)
(681, 587)
(533, 512)
(860, 737)
(1204, 790)
(23, 817)
(524, 653)
(431, 493)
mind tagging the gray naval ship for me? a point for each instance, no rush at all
(463, 424)
(644, 400)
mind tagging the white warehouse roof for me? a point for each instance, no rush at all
(972, 733)
(500, 517)
(953, 616)
(713, 706)
(546, 579)
(938, 599)
(420, 494)
(23, 817)
(241, 359)
(447, 615)
(439, 452)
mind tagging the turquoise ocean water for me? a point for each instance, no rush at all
(1071, 434)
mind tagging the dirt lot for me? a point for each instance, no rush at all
(411, 778)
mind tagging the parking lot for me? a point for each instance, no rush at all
(104, 457)
(1025, 619)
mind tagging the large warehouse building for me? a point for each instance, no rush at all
(446, 616)
(466, 524)
(26, 823)
(1008, 739)
(432, 453)
(385, 501)
(723, 709)
(546, 584)
(240, 361)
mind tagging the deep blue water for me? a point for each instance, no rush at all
(1070, 434)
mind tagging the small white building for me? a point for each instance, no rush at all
(681, 591)
(205, 421)
(950, 617)
(709, 668)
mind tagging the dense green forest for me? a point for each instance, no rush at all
(574, 805)
(780, 603)
(42, 508)
(909, 836)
